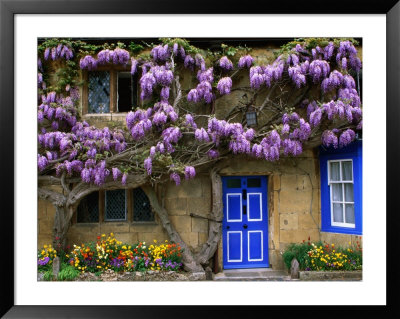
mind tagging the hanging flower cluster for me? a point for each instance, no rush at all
(106, 56)
(74, 147)
(59, 52)
(203, 91)
(245, 61)
(117, 56)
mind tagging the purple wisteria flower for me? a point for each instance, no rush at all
(189, 121)
(165, 94)
(315, 117)
(176, 178)
(162, 75)
(346, 137)
(318, 70)
(224, 85)
(161, 53)
(199, 61)
(148, 164)
(124, 178)
(256, 77)
(147, 83)
(116, 173)
(88, 62)
(189, 62)
(213, 154)
(225, 64)
(190, 172)
(201, 135)
(134, 64)
(245, 61)
(329, 139)
(42, 162)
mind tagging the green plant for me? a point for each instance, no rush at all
(323, 256)
(298, 251)
(67, 273)
(48, 275)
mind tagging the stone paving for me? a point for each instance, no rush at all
(255, 274)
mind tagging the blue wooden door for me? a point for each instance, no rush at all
(245, 223)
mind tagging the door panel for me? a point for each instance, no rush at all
(254, 206)
(255, 245)
(235, 240)
(245, 228)
(234, 205)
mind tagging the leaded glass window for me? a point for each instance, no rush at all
(342, 192)
(99, 92)
(115, 208)
(88, 209)
(142, 211)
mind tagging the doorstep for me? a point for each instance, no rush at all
(252, 274)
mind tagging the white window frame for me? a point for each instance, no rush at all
(105, 208)
(342, 182)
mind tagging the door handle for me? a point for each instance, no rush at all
(227, 227)
(245, 226)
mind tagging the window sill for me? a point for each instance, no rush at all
(345, 231)
(150, 223)
(114, 115)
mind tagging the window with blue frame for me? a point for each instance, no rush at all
(341, 189)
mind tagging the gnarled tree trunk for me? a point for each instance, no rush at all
(215, 224)
(189, 261)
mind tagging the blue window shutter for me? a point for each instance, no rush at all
(353, 152)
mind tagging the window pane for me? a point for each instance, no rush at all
(99, 92)
(335, 171)
(115, 205)
(338, 213)
(349, 194)
(347, 171)
(337, 192)
(141, 206)
(350, 214)
(234, 183)
(253, 182)
(88, 209)
(126, 92)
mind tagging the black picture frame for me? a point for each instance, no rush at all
(8, 10)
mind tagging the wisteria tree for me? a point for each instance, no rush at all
(307, 96)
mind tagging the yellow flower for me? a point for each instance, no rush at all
(103, 235)
(45, 246)
(112, 234)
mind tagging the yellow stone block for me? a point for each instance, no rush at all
(181, 223)
(297, 236)
(289, 221)
(291, 201)
(199, 225)
(308, 221)
(276, 182)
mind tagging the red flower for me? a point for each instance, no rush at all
(309, 238)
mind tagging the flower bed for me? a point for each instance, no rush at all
(107, 253)
(321, 256)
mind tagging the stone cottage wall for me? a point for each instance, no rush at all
(293, 191)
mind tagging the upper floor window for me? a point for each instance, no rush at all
(107, 90)
(99, 92)
(341, 189)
